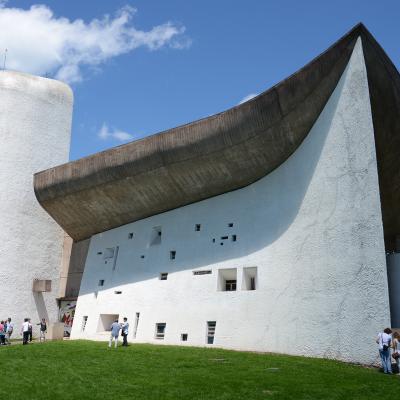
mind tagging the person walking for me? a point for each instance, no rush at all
(115, 328)
(396, 350)
(43, 330)
(125, 331)
(384, 341)
(9, 331)
(25, 331)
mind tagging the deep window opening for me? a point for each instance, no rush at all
(118, 292)
(160, 330)
(234, 238)
(135, 326)
(202, 272)
(130, 235)
(84, 322)
(227, 280)
(184, 337)
(156, 234)
(211, 325)
(249, 278)
(163, 276)
(197, 227)
(105, 322)
(101, 282)
(172, 254)
(230, 225)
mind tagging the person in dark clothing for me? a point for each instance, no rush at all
(124, 332)
(30, 330)
(25, 331)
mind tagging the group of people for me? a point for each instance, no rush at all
(7, 329)
(116, 327)
(389, 347)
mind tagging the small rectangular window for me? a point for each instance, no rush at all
(234, 238)
(101, 282)
(203, 272)
(172, 254)
(118, 292)
(99, 253)
(230, 285)
(160, 330)
(164, 276)
(211, 331)
(224, 237)
(230, 224)
(130, 236)
(197, 227)
(84, 322)
(184, 337)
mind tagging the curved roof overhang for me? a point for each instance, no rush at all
(202, 159)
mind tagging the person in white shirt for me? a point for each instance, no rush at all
(384, 341)
(125, 331)
(25, 331)
(115, 328)
(9, 331)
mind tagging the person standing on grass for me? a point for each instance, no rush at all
(384, 341)
(125, 331)
(396, 349)
(9, 331)
(25, 331)
(30, 327)
(2, 334)
(43, 330)
(115, 328)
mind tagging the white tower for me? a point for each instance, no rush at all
(35, 128)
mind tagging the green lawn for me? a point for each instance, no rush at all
(89, 370)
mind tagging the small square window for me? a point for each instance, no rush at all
(130, 236)
(160, 330)
(184, 337)
(197, 227)
(230, 225)
(101, 282)
(142, 256)
(172, 254)
(164, 276)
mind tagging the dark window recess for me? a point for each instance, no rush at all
(230, 225)
(214, 240)
(234, 238)
(84, 322)
(184, 337)
(118, 292)
(230, 285)
(211, 331)
(101, 282)
(197, 227)
(130, 236)
(160, 330)
(221, 244)
(142, 256)
(204, 272)
(224, 237)
(252, 283)
(156, 234)
(99, 252)
(164, 276)
(172, 254)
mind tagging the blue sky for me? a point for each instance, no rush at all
(175, 61)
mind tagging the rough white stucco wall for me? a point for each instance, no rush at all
(35, 125)
(312, 227)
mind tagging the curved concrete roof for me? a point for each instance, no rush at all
(202, 159)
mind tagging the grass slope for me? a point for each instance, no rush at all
(89, 370)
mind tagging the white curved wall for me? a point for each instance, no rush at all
(313, 228)
(35, 125)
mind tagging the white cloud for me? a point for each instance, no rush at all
(248, 97)
(105, 133)
(40, 43)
